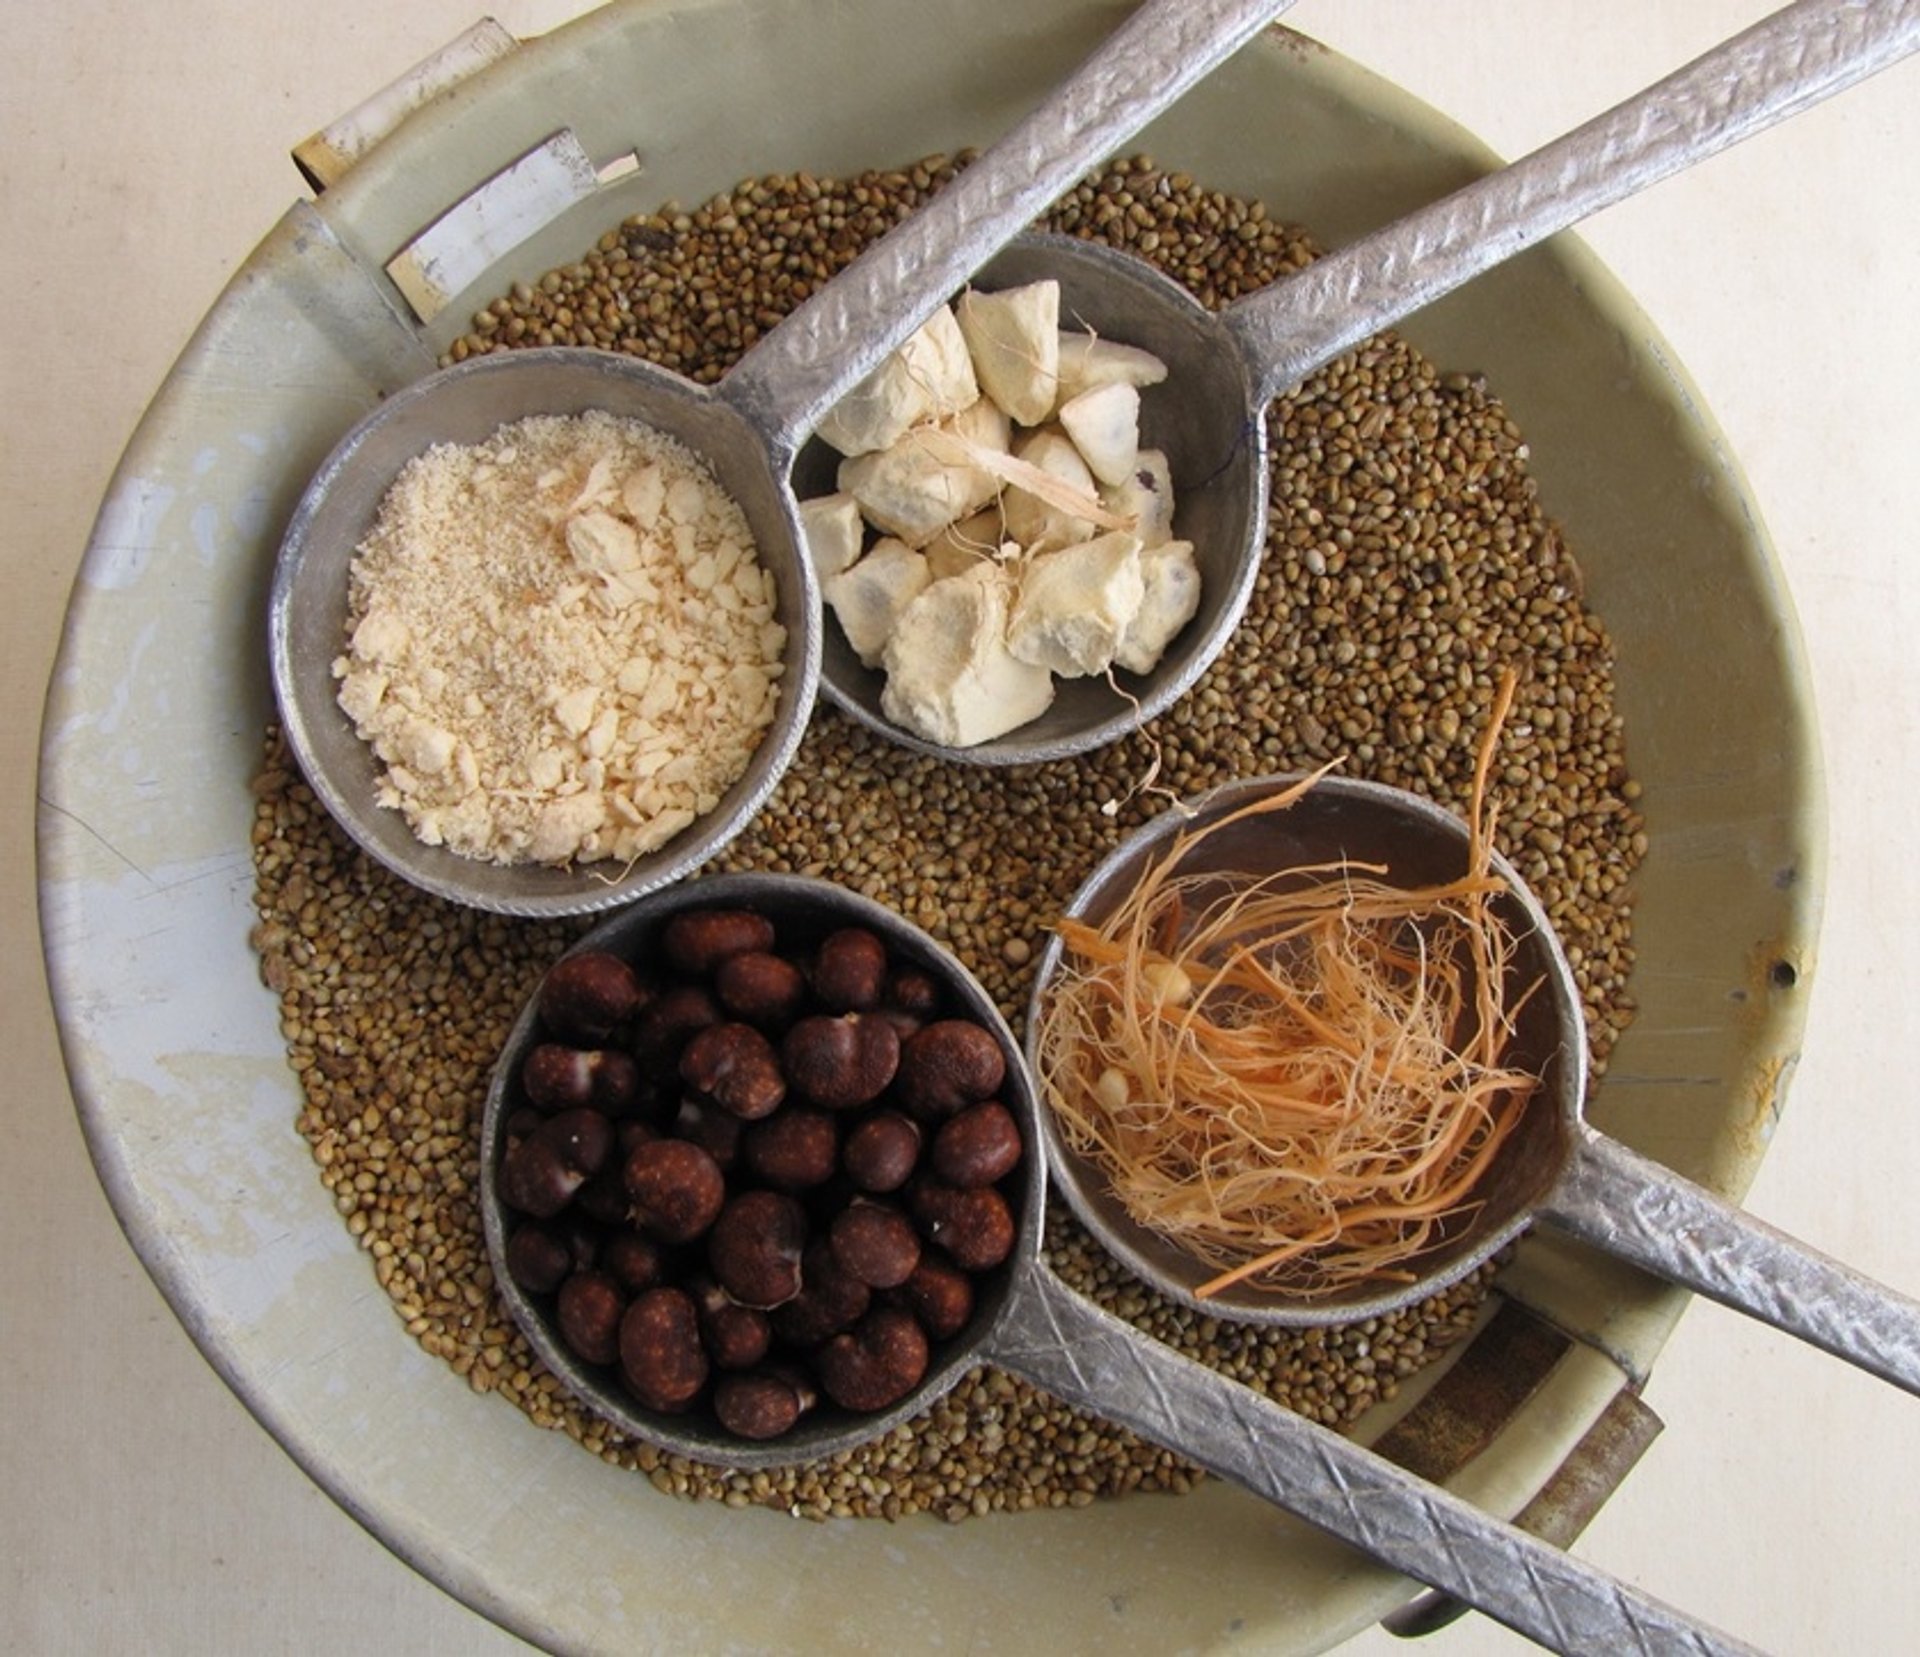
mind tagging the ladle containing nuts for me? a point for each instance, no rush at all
(780, 1286)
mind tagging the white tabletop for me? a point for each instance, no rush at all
(143, 151)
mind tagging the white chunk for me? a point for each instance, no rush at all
(1038, 524)
(958, 547)
(1104, 424)
(867, 599)
(1145, 495)
(834, 532)
(380, 636)
(931, 477)
(1076, 604)
(1014, 337)
(1087, 361)
(950, 677)
(1170, 598)
(928, 378)
(602, 543)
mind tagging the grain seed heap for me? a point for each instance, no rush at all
(1408, 562)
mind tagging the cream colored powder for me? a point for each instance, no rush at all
(562, 646)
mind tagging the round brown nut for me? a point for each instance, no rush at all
(677, 1189)
(976, 1147)
(755, 1247)
(875, 1243)
(538, 1258)
(735, 1066)
(556, 1077)
(792, 1150)
(881, 1152)
(604, 1196)
(830, 1299)
(588, 1311)
(760, 987)
(976, 1228)
(541, 1173)
(948, 1065)
(669, 1021)
(696, 941)
(850, 971)
(586, 996)
(914, 992)
(762, 1405)
(736, 1336)
(633, 1260)
(840, 1063)
(717, 1132)
(876, 1363)
(939, 1294)
(661, 1358)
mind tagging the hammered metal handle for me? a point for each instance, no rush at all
(1089, 1358)
(1640, 1212)
(814, 356)
(1782, 65)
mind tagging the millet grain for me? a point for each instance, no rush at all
(1408, 561)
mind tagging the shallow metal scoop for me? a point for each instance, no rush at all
(1555, 1169)
(1028, 1322)
(1230, 366)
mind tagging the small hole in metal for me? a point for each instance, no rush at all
(1783, 975)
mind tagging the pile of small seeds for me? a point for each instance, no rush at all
(1408, 562)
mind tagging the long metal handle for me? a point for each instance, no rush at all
(1086, 1357)
(824, 348)
(1640, 1212)
(1780, 66)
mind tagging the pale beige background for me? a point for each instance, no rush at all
(143, 150)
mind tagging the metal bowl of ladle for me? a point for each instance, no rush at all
(1028, 1322)
(1554, 1170)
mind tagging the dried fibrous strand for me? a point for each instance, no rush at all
(1300, 1077)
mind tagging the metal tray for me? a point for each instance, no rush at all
(161, 693)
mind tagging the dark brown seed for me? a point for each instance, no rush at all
(881, 1152)
(840, 1063)
(850, 971)
(587, 996)
(755, 1248)
(762, 988)
(588, 1312)
(947, 1066)
(875, 1243)
(794, 1149)
(734, 1065)
(661, 1358)
(975, 1227)
(677, 1189)
(876, 1363)
(762, 1405)
(830, 1300)
(939, 1294)
(538, 1259)
(696, 941)
(977, 1147)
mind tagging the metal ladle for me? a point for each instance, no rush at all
(1226, 367)
(1555, 1170)
(1028, 1322)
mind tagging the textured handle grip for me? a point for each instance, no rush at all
(1782, 65)
(1640, 1212)
(1086, 1357)
(820, 352)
